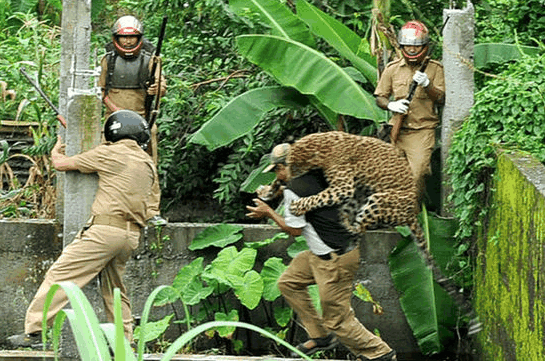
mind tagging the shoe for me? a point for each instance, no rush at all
(157, 221)
(320, 344)
(33, 340)
(390, 356)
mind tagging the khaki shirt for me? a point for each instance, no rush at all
(395, 82)
(131, 99)
(125, 176)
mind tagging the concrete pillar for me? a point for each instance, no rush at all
(79, 103)
(81, 106)
(458, 41)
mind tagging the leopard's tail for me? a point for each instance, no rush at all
(446, 283)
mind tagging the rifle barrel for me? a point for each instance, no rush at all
(45, 97)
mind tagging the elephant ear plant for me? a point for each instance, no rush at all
(210, 291)
(96, 341)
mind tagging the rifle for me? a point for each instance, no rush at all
(151, 115)
(399, 118)
(55, 109)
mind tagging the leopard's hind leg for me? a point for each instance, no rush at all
(377, 210)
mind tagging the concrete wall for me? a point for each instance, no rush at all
(29, 248)
(509, 277)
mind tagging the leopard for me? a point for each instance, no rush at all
(371, 182)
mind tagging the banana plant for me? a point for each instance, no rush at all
(430, 311)
(306, 76)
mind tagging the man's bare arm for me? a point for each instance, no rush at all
(262, 209)
(61, 162)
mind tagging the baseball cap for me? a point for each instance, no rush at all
(277, 156)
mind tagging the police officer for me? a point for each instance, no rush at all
(126, 174)
(126, 69)
(417, 135)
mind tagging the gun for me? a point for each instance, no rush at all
(37, 87)
(151, 115)
(399, 118)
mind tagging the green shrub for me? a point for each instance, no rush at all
(509, 113)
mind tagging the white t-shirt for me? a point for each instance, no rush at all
(314, 242)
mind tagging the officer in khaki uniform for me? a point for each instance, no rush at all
(417, 135)
(126, 69)
(126, 174)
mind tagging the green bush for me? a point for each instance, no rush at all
(509, 112)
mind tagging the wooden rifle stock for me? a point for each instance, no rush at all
(398, 118)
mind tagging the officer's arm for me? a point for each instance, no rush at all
(61, 161)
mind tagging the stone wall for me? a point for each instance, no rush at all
(509, 275)
(29, 248)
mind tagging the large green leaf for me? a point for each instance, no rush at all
(429, 310)
(311, 72)
(219, 235)
(232, 262)
(257, 177)
(248, 288)
(243, 113)
(490, 53)
(89, 337)
(282, 21)
(226, 331)
(153, 329)
(341, 38)
(272, 270)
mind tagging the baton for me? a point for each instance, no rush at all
(55, 109)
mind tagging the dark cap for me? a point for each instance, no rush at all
(277, 156)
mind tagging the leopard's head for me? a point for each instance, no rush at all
(304, 155)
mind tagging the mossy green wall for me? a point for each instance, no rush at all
(510, 272)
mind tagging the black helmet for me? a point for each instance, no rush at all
(126, 124)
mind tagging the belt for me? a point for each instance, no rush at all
(115, 221)
(350, 247)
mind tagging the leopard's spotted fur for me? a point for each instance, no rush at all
(371, 181)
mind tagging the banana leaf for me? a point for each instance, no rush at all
(311, 72)
(490, 53)
(278, 16)
(430, 311)
(341, 38)
(257, 177)
(243, 113)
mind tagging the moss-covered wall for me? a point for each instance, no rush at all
(510, 272)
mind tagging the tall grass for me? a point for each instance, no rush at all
(95, 340)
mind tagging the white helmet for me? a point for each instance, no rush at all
(414, 33)
(128, 26)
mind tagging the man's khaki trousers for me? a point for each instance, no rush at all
(98, 250)
(334, 278)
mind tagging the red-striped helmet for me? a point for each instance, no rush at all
(128, 26)
(414, 33)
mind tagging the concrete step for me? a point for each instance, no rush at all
(49, 356)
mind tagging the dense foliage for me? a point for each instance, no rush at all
(205, 72)
(509, 113)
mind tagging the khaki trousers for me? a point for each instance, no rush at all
(418, 146)
(334, 279)
(98, 250)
